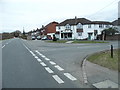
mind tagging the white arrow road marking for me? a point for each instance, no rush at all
(49, 70)
(70, 76)
(53, 63)
(58, 79)
(43, 64)
(59, 68)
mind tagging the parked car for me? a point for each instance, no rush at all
(33, 38)
(44, 38)
(38, 38)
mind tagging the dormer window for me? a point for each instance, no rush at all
(79, 26)
(68, 26)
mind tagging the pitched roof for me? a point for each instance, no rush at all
(82, 21)
(74, 21)
(115, 23)
(101, 22)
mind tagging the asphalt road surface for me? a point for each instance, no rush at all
(38, 64)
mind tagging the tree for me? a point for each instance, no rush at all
(110, 31)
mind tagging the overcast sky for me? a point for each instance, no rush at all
(32, 14)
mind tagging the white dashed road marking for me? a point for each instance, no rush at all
(39, 60)
(70, 76)
(3, 46)
(43, 56)
(59, 68)
(36, 57)
(49, 70)
(43, 64)
(53, 63)
(47, 59)
(38, 52)
(58, 79)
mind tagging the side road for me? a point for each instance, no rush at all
(98, 76)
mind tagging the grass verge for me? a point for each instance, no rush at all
(76, 41)
(104, 59)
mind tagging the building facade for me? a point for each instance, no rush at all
(81, 28)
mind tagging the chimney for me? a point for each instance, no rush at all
(75, 20)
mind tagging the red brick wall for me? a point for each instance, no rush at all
(51, 28)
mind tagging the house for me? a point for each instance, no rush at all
(49, 30)
(116, 24)
(80, 28)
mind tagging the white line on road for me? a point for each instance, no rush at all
(70, 76)
(47, 59)
(53, 63)
(32, 53)
(38, 52)
(58, 79)
(3, 46)
(36, 57)
(59, 68)
(39, 60)
(43, 56)
(49, 70)
(43, 64)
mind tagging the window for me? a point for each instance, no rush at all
(67, 26)
(101, 26)
(58, 27)
(79, 26)
(80, 34)
(107, 26)
(89, 26)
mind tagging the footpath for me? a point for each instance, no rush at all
(100, 77)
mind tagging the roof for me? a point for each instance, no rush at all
(101, 22)
(115, 23)
(82, 21)
(74, 21)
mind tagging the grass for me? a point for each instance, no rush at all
(104, 59)
(58, 41)
(76, 41)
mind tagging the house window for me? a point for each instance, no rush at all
(80, 34)
(58, 27)
(79, 26)
(101, 26)
(89, 26)
(68, 26)
(107, 26)
(70, 35)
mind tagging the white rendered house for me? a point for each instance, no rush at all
(80, 28)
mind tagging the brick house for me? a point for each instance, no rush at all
(49, 30)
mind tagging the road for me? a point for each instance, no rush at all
(38, 64)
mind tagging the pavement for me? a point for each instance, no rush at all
(37, 64)
(103, 77)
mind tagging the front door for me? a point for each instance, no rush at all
(90, 36)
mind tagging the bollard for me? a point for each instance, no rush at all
(111, 51)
